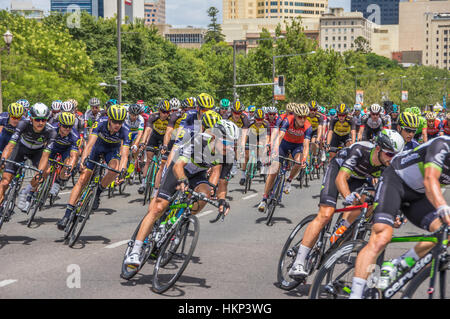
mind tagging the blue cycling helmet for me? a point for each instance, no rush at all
(395, 108)
(332, 112)
(251, 108)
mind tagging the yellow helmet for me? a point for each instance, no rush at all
(237, 106)
(410, 120)
(301, 110)
(205, 101)
(15, 110)
(342, 109)
(210, 118)
(259, 114)
(117, 113)
(164, 105)
(66, 119)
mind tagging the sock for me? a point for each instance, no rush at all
(137, 247)
(69, 210)
(358, 285)
(243, 174)
(303, 252)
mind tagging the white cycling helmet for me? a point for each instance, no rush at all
(39, 110)
(67, 106)
(390, 141)
(175, 103)
(226, 130)
(375, 108)
(357, 107)
(56, 106)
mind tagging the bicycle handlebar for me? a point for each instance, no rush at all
(202, 197)
(22, 165)
(62, 164)
(103, 166)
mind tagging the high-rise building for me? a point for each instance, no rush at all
(250, 9)
(93, 7)
(155, 12)
(131, 9)
(437, 35)
(26, 9)
(378, 11)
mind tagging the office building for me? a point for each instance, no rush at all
(93, 7)
(155, 12)
(378, 11)
(252, 9)
(131, 10)
(26, 9)
(437, 44)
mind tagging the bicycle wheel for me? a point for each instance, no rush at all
(148, 247)
(40, 199)
(289, 253)
(301, 176)
(178, 253)
(334, 279)
(151, 175)
(82, 216)
(274, 201)
(419, 285)
(5, 209)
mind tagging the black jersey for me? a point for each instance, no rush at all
(357, 160)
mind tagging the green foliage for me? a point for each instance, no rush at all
(214, 32)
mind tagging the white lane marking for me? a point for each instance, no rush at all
(250, 196)
(7, 282)
(118, 244)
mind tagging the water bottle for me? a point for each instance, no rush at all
(387, 275)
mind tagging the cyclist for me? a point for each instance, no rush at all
(414, 177)
(66, 143)
(154, 134)
(251, 109)
(433, 127)
(110, 139)
(258, 134)
(8, 123)
(394, 112)
(26, 107)
(371, 124)
(342, 130)
(135, 123)
(348, 171)
(56, 108)
(357, 116)
(293, 138)
(243, 122)
(316, 120)
(224, 109)
(31, 139)
(445, 125)
(190, 103)
(189, 170)
(422, 122)
(92, 115)
(407, 125)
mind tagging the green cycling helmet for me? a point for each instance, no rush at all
(224, 103)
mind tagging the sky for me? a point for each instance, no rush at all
(183, 12)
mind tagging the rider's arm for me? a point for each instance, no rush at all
(342, 182)
(168, 135)
(124, 152)
(433, 187)
(360, 133)
(424, 134)
(87, 150)
(178, 168)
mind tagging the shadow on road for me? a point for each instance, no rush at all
(108, 211)
(83, 240)
(274, 220)
(39, 221)
(5, 240)
(299, 291)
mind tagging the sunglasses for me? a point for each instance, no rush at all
(409, 130)
(272, 114)
(116, 122)
(237, 113)
(389, 154)
(375, 114)
(67, 126)
(16, 118)
(301, 117)
(342, 115)
(165, 112)
(40, 120)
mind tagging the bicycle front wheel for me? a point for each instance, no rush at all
(176, 253)
(419, 286)
(334, 278)
(82, 217)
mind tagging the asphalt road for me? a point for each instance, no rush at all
(233, 259)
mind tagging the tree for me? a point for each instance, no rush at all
(214, 32)
(362, 45)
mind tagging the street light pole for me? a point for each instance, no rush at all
(119, 49)
(8, 39)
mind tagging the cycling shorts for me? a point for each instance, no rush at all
(169, 182)
(337, 140)
(293, 148)
(65, 153)
(329, 191)
(19, 154)
(226, 171)
(391, 196)
(5, 136)
(107, 153)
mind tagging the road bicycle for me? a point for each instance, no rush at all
(276, 193)
(9, 201)
(43, 193)
(83, 209)
(152, 171)
(337, 272)
(360, 228)
(172, 241)
(251, 168)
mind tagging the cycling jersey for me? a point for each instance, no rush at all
(53, 118)
(242, 122)
(145, 116)
(280, 119)
(445, 127)
(394, 123)
(342, 128)
(64, 145)
(422, 125)
(434, 130)
(158, 125)
(316, 121)
(357, 160)
(411, 145)
(135, 126)
(358, 120)
(410, 165)
(90, 118)
(294, 134)
(258, 128)
(25, 135)
(372, 127)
